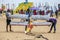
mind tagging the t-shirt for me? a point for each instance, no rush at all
(28, 13)
(35, 13)
(8, 15)
(52, 20)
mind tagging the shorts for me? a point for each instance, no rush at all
(8, 22)
(28, 20)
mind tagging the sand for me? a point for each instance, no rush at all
(19, 34)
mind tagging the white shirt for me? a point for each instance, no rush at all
(8, 14)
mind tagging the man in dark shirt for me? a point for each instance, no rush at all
(53, 21)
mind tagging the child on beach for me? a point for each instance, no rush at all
(21, 12)
(34, 12)
(8, 20)
(27, 13)
(29, 28)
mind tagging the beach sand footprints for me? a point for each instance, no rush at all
(41, 36)
(31, 34)
(36, 36)
(28, 39)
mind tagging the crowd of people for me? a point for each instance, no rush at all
(40, 12)
(28, 12)
(32, 12)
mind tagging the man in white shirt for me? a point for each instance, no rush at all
(8, 20)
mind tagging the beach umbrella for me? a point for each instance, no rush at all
(34, 8)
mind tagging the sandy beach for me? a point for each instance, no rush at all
(19, 34)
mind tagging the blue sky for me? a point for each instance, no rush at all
(16, 2)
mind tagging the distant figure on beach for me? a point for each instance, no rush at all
(34, 12)
(54, 22)
(56, 11)
(8, 20)
(27, 13)
(12, 11)
(51, 15)
(21, 11)
(39, 12)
